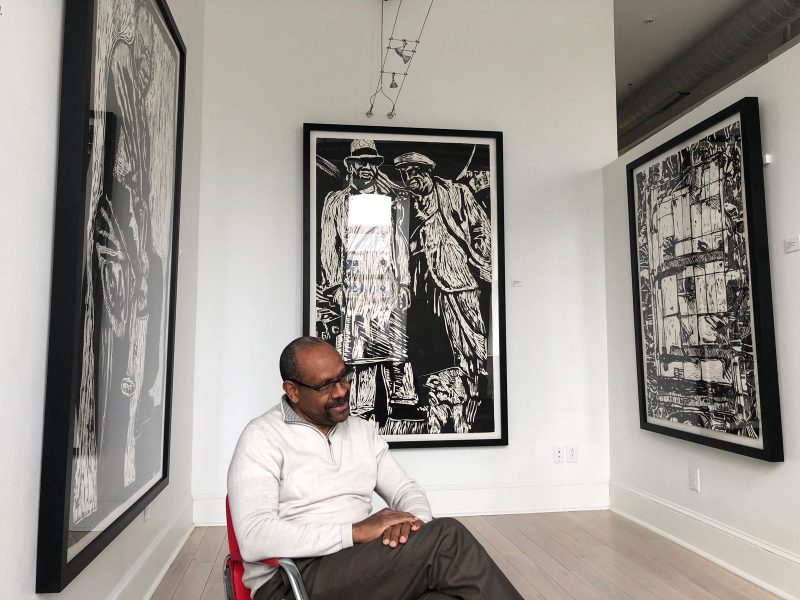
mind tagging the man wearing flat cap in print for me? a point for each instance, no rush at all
(450, 245)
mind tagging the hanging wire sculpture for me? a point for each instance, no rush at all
(406, 50)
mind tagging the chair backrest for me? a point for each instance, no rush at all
(236, 566)
(233, 545)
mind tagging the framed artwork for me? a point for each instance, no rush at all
(701, 287)
(403, 270)
(112, 309)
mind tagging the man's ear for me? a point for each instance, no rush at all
(290, 390)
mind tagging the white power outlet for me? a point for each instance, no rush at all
(694, 479)
(572, 453)
(558, 454)
(146, 513)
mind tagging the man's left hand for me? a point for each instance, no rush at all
(399, 534)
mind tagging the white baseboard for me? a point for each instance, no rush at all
(771, 567)
(506, 498)
(209, 510)
(461, 500)
(139, 581)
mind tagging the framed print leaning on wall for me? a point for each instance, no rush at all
(701, 286)
(403, 251)
(112, 309)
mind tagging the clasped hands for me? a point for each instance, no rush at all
(395, 527)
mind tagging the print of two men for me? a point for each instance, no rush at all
(398, 260)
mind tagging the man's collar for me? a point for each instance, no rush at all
(355, 191)
(288, 412)
(290, 416)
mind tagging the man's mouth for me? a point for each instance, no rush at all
(339, 403)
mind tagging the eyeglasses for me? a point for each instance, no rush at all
(345, 378)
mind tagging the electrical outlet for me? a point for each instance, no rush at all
(572, 453)
(146, 513)
(558, 454)
(694, 479)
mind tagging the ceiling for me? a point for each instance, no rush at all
(643, 49)
(663, 54)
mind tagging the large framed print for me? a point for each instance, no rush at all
(403, 262)
(112, 309)
(701, 287)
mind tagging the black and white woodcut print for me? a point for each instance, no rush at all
(699, 352)
(120, 415)
(120, 411)
(404, 233)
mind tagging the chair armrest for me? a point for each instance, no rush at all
(295, 579)
(292, 572)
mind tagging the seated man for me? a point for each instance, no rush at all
(300, 485)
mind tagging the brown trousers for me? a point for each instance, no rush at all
(442, 560)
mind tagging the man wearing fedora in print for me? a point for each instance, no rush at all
(364, 271)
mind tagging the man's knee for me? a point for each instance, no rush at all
(447, 524)
(452, 530)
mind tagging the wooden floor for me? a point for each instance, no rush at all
(587, 555)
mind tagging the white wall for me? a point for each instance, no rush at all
(541, 72)
(30, 64)
(746, 513)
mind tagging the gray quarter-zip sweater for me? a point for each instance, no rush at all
(295, 492)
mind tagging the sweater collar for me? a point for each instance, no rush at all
(288, 412)
(289, 416)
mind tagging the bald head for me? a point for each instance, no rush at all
(289, 363)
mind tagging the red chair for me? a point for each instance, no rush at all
(234, 568)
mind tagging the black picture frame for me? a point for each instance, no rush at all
(370, 289)
(105, 452)
(705, 343)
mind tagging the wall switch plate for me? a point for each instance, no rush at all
(558, 454)
(791, 244)
(694, 479)
(146, 513)
(572, 453)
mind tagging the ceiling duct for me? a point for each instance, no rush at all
(732, 40)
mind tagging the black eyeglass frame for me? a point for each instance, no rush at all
(344, 378)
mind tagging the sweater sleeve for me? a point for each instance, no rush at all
(396, 488)
(253, 492)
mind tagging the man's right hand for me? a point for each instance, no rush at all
(393, 525)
